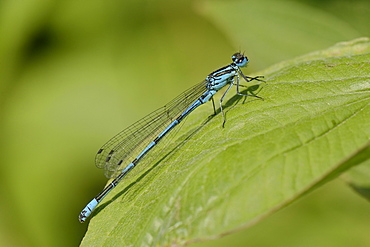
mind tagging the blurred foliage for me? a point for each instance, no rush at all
(74, 73)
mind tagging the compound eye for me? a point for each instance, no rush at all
(240, 60)
(236, 57)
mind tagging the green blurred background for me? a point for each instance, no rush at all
(74, 73)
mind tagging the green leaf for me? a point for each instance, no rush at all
(312, 125)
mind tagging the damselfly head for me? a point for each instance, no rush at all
(239, 59)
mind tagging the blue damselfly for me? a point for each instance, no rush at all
(133, 143)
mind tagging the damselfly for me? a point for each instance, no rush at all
(133, 143)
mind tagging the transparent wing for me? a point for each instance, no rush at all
(130, 142)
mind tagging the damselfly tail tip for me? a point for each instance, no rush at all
(82, 217)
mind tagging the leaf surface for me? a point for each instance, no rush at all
(312, 126)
